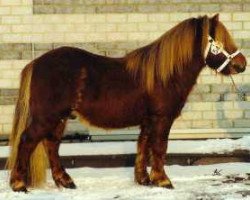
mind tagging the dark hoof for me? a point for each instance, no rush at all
(66, 184)
(18, 186)
(21, 189)
(169, 186)
(143, 179)
(71, 185)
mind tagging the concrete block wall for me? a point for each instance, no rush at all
(28, 28)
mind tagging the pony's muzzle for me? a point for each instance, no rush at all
(239, 64)
(239, 68)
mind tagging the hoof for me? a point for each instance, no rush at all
(142, 179)
(71, 185)
(22, 189)
(19, 186)
(160, 179)
(65, 181)
(164, 184)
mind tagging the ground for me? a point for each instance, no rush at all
(228, 181)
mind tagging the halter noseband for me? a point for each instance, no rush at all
(215, 48)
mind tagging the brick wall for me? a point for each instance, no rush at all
(28, 28)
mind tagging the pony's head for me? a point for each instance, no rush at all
(200, 40)
(221, 53)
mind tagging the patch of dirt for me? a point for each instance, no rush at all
(244, 193)
(229, 179)
(235, 179)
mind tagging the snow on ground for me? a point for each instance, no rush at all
(175, 146)
(191, 183)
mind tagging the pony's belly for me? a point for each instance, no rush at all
(111, 115)
(107, 122)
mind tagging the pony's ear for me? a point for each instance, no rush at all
(215, 18)
(213, 24)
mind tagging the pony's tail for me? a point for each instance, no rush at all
(36, 174)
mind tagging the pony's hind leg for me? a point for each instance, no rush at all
(30, 138)
(141, 174)
(52, 144)
(159, 139)
(18, 179)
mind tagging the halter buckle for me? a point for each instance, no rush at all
(216, 49)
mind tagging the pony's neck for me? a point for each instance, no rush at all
(180, 86)
(188, 78)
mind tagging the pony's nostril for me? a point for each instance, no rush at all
(239, 68)
(242, 69)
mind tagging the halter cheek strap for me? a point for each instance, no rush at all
(216, 49)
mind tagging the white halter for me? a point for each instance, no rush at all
(215, 48)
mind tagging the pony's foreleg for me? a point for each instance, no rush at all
(52, 144)
(159, 140)
(19, 179)
(141, 174)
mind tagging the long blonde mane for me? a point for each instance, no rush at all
(167, 55)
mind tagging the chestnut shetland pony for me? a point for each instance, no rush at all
(147, 87)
